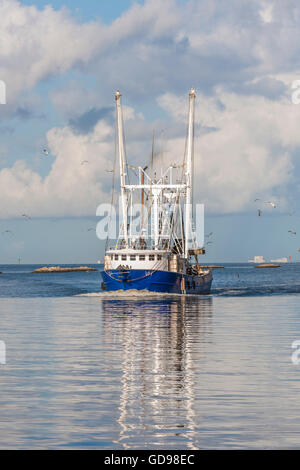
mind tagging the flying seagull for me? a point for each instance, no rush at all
(209, 235)
(7, 231)
(46, 152)
(292, 233)
(271, 204)
(27, 217)
(257, 199)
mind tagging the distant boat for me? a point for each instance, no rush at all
(267, 265)
(257, 260)
(161, 262)
(280, 260)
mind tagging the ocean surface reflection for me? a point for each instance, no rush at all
(140, 372)
(160, 350)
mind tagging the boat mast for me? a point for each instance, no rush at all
(122, 165)
(189, 172)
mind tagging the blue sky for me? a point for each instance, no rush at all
(62, 67)
(90, 10)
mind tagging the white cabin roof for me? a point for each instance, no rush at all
(132, 251)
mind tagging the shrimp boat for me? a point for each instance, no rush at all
(156, 250)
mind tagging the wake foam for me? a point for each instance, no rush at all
(128, 294)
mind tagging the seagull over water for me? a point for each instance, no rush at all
(7, 231)
(292, 233)
(271, 204)
(46, 152)
(27, 217)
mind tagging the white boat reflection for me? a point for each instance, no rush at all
(163, 343)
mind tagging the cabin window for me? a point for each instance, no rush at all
(116, 257)
(151, 257)
(124, 258)
(159, 257)
(142, 257)
(132, 257)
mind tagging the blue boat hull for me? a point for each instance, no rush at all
(156, 281)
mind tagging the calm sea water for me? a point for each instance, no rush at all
(85, 369)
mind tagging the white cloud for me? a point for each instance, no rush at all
(248, 154)
(152, 47)
(215, 46)
(70, 188)
(36, 44)
(73, 99)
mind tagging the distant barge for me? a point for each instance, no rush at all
(212, 267)
(268, 265)
(58, 269)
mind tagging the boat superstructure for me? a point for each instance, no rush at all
(156, 249)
